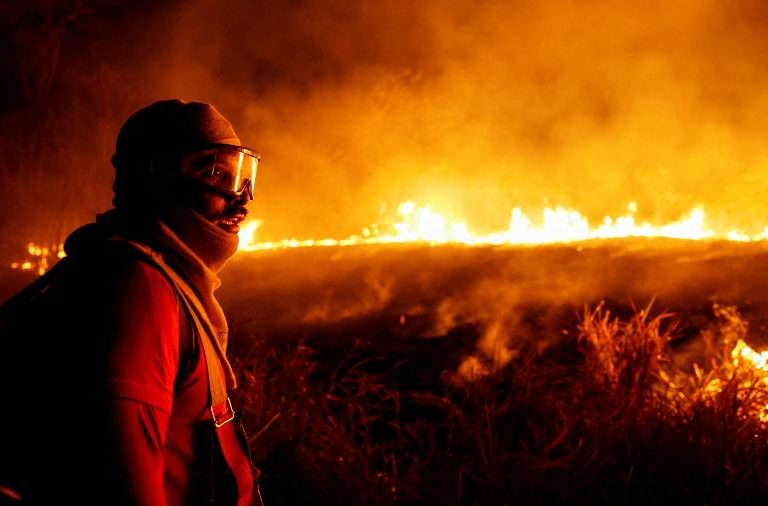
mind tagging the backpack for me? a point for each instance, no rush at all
(25, 324)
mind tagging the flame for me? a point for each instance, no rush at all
(745, 356)
(247, 233)
(423, 224)
(557, 225)
(746, 359)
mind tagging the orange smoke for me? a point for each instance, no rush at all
(478, 109)
(474, 109)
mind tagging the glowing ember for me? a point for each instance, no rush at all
(40, 258)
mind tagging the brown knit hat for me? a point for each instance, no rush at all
(171, 127)
(162, 132)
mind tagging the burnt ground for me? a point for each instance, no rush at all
(395, 293)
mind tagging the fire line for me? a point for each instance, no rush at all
(423, 224)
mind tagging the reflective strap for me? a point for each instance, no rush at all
(216, 380)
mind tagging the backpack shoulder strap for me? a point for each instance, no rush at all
(219, 371)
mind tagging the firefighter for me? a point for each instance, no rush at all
(114, 369)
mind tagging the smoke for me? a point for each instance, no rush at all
(472, 107)
(477, 107)
(372, 293)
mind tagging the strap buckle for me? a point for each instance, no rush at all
(229, 415)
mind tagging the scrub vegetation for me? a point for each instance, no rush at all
(626, 409)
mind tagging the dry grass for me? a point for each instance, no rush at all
(606, 417)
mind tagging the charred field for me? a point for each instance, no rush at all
(595, 373)
(603, 372)
(534, 291)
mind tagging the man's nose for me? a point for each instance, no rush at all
(243, 199)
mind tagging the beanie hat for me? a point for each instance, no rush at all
(162, 132)
(171, 127)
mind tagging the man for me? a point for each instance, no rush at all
(114, 372)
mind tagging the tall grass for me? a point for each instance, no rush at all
(609, 416)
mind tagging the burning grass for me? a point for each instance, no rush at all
(620, 411)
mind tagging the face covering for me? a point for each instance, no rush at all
(210, 243)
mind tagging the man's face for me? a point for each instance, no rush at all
(199, 190)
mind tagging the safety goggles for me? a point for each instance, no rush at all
(225, 169)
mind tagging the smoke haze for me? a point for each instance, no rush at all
(471, 107)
